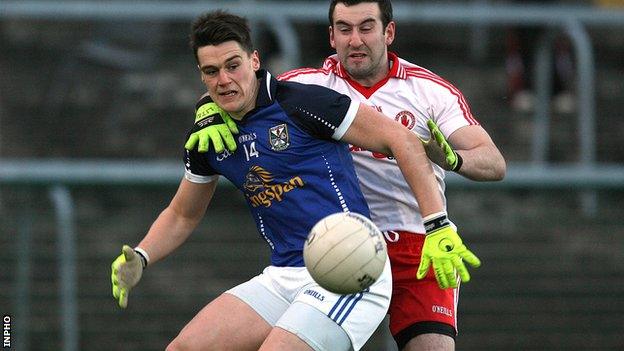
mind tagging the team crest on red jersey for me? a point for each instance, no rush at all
(406, 118)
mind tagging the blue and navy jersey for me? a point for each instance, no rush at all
(289, 164)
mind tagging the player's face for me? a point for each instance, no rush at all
(229, 73)
(361, 41)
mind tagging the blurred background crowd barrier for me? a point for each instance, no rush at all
(95, 100)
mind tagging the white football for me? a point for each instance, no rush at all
(345, 253)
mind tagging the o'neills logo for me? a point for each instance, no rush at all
(260, 189)
(406, 118)
(442, 310)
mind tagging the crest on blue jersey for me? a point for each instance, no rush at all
(278, 137)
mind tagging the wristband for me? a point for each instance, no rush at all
(435, 221)
(144, 256)
(459, 163)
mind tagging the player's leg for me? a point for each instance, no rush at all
(215, 325)
(422, 316)
(239, 319)
(305, 328)
(280, 339)
(325, 321)
(430, 342)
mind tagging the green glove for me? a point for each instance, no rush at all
(126, 272)
(440, 151)
(211, 123)
(444, 250)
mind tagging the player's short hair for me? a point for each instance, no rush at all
(217, 27)
(385, 7)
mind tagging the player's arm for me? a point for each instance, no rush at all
(373, 131)
(481, 159)
(443, 248)
(178, 220)
(469, 151)
(172, 227)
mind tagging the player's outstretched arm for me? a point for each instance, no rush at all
(443, 249)
(373, 131)
(211, 124)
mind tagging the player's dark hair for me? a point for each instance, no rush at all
(385, 7)
(217, 27)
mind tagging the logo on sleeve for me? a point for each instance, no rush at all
(278, 137)
(406, 118)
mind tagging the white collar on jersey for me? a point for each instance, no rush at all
(397, 69)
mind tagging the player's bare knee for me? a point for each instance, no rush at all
(183, 344)
(175, 345)
(207, 342)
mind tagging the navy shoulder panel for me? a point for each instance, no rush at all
(316, 109)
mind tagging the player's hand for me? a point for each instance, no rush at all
(211, 123)
(126, 272)
(443, 249)
(439, 150)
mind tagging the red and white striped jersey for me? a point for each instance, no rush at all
(411, 95)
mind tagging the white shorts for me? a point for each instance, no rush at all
(281, 295)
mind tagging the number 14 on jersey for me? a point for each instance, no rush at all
(251, 151)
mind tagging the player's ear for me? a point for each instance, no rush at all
(255, 60)
(201, 75)
(390, 32)
(332, 42)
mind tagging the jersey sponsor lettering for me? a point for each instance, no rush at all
(378, 155)
(261, 191)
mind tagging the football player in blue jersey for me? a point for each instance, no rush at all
(294, 167)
